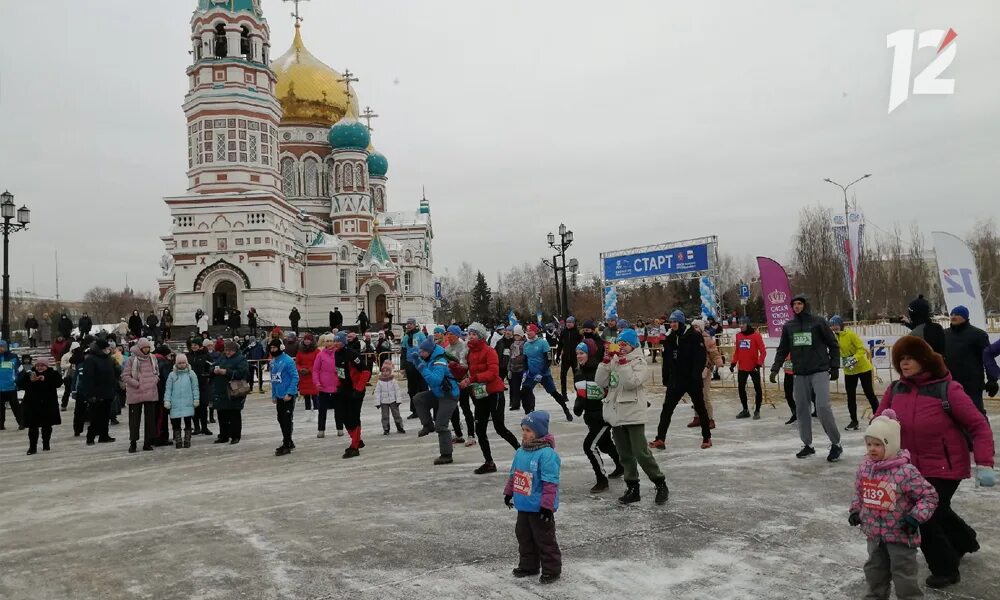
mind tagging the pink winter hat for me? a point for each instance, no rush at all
(885, 428)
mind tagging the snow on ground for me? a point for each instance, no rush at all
(746, 520)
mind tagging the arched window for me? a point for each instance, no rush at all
(330, 181)
(220, 41)
(348, 177)
(359, 177)
(288, 180)
(340, 178)
(310, 177)
(343, 254)
(246, 48)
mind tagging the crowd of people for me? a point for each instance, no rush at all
(927, 432)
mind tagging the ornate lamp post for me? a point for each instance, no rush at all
(565, 241)
(7, 210)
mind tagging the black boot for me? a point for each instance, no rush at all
(600, 486)
(662, 491)
(32, 450)
(444, 459)
(147, 447)
(618, 472)
(187, 439)
(177, 439)
(631, 493)
(131, 448)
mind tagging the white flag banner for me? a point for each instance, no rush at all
(959, 276)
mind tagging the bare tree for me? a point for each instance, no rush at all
(985, 244)
(817, 266)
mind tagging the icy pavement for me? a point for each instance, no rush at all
(746, 519)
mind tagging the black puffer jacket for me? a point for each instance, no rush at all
(811, 343)
(684, 357)
(921, 325)
(97, 376)
(964, 345)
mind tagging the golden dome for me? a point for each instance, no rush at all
(309, 91)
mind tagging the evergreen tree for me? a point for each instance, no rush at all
(481, 299)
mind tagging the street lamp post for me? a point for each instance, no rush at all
(554, 265)
(565, 241)
(847, 223)
(7, 210)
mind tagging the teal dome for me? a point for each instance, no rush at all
(349, 134)
(378, 164)
(250, 6)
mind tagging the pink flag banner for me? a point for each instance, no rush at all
(777, 294)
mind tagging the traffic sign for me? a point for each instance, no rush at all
(744, 291)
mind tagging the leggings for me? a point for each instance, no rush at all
(945, 537)
(67, 390)
(176, 424)
(308, 399)
(492, 407)
(599, 438)
(515, 390)
(567, 366)
(350, 402)
(851, 385)
(741, 379)
(470, 420)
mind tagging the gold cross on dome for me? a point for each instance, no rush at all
(347, 79)
(368, 115)
(298, 19)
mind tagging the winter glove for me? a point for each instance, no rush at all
(545, 515)
(992, 388)
(910, 525)
(986, 477)
(166, 405)
(834, 374)
(197, 403)
(854, 519)
(732, 368)
(607, 358)
(774, 377)
(509, 501)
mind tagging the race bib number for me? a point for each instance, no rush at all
(522, 483)
(478, 391)
(613, 380)
(6, 365)
(802, 338)
(506, 352)
(878, 495)
(849, 362)
(787, 365)
(744, 344)
(340, 373)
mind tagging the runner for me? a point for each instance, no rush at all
(684, 358)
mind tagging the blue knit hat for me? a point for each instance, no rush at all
(340, 337)
(439, 330)
(960, 311)
(581, 347)
(677, 316)
(630, 337)
(537, 421)
(571, 319)
(428, 345)
(455, 330)
(836, 320)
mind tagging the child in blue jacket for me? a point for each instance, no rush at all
(284, 389)
(533, 489)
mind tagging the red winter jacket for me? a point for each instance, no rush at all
(484, 366)
(935, 440)
(749, 352)
(304, 362)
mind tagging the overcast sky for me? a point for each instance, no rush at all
(634, 122)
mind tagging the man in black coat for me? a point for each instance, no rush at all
(964, 345)
(294, 317)
(336, 319)
(201, 366)
(98, 386)
(31, 326)
(85, 324)
(363, 321)
(919, 319)
(65, 326)
(684, 358)
(568, 339)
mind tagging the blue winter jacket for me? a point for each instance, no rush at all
(435, 372)
(9, 367)
(531, 468)
(537, 354)
(284, 377)
(182, 392)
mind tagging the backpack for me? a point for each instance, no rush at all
(939, 390)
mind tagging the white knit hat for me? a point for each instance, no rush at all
(885, 428)
(518, 330)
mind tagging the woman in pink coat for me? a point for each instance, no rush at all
(141, 376)
(935, 414)
(324, 377)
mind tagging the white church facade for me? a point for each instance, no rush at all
(287, 202)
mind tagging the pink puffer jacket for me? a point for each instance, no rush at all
(885, 492)
(141, 377)
(324, 371)
(935, 440)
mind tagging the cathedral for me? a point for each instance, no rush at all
(287, 204)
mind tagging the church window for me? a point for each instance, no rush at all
(344, 274)
(208, 123)
(340, 178)
(343, 254)
(245, 47)
(232, 157)
(243, 134)
(253, 148)
(220, 123)
(409, 256)
(239, 241)
(220, 41)
(220, 146)
(348, 177)
(288, 177)
(302, 279)
(203, 243)
(330, 181)
(310, 177)
(232, 123)
(282, 274)
(253, 125)
(256, 240)
(223, 244)
(407, 281)
(184, 243)
(359, 176)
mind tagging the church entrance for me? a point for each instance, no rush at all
(223, 299)
(380, 307)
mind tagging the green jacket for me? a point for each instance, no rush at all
(236, 368)
(852, 346)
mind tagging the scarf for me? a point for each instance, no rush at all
(538, 444)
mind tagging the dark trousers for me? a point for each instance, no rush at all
(162, 423)
(144, 411)
(470, 420)
(673, 396)
(324, 402)
(285, 410)
(99, 414)
(176, 424)
(741, 379)
(598, 438)
(351, 402)
(15, 407)
(434, 413)
(537, 544)
(256, 369)
(79, 415)
(230, 423)
(789, 385)
(414, 385)
(308, 399)
(568, 365)
(492, 407)
(67, 389)
(201, 411)
(851, 385)
(515, 390)
(945, 537)
(33, 437)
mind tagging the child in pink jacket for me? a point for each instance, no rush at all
(891, 500)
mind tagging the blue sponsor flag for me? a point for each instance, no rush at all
(512, 319)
